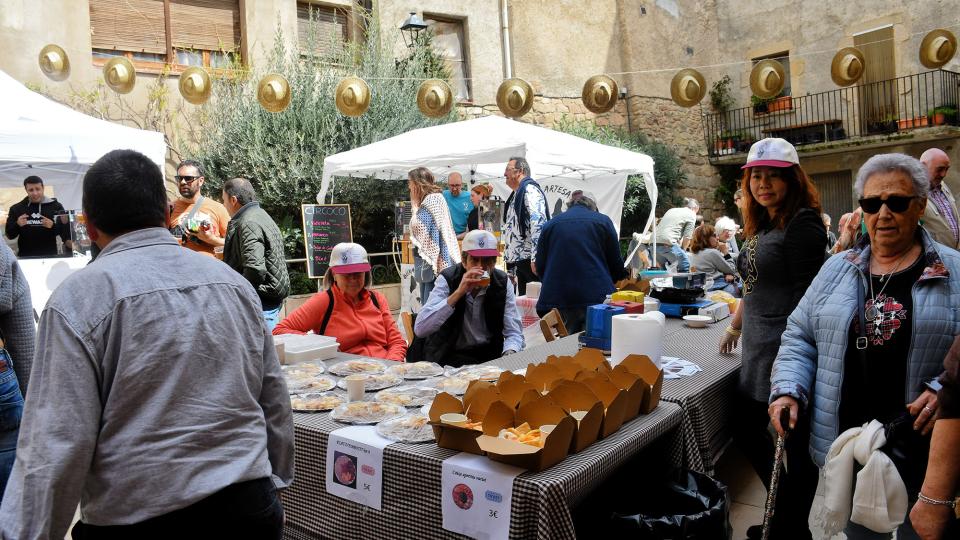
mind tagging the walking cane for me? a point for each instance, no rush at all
(775, 476)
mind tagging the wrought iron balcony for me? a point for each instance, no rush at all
(882, 108)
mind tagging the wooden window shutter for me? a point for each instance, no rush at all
(209, 25)
(330, 27)
(128, 25)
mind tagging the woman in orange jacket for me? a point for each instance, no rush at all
(347, 310)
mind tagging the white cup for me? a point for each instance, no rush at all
(355, 387)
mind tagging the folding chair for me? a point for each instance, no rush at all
(552, 323)
(407, 319)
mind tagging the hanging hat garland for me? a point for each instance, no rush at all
(119, 75)
(847, 66)
(937, 48)
(195, 85)
(688, 87)
(352, 96)
(273, 93)
(514, 97)
(767, 78)
(600, 94)
(54, 62)
(435, 98)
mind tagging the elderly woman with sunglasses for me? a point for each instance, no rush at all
(866, 340)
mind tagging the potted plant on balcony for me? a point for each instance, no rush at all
(942, 115)
(720, 96)
(780, 103)
(760, 104)
(744, 141)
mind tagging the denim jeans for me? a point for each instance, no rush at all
(11, 409)
(272, 317)
(424, 276)
(673, 253)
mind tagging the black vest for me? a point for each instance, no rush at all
(440, 346)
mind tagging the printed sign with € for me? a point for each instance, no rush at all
(476, 494)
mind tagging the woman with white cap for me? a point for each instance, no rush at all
(359, 318)
(782, 254)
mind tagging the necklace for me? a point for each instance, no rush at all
(873, 311)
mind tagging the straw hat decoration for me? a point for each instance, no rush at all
(195, 85)
(600, 94)
(434, 98)
(352, 96)
(514, 97)
(937, 48)
(767, 78)
(273, 93)
(688, 87)
(119, 75)
(54, 62)
(847, 66)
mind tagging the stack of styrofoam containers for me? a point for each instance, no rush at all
(294, 348)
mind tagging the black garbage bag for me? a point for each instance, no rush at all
(688, 505)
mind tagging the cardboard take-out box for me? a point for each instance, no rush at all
(543, 376)
(480, 404)
(574, 396)
(515, 390)
(636, 389)
(651, 376)
(536, 413)
(614, 400)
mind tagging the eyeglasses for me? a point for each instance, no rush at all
(895, 203)
(187, 179)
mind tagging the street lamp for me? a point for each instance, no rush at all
(411, 29)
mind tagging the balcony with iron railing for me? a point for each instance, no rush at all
(884, 108)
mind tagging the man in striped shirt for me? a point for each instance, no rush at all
(940, 218)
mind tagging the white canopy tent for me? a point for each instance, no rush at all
(480, 148)
(41, 137)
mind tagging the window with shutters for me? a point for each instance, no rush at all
(449, 40)
(321, 30)
(154, 33)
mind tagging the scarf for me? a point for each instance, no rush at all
(518, 198)
(878, 500)
(431, 232)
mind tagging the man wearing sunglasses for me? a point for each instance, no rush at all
(941, 217)
(200, 222)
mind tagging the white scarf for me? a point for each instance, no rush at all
(879, 500)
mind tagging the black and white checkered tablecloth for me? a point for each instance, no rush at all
(411, 482)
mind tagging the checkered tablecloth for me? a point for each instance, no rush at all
(528, 310)
(411, 482)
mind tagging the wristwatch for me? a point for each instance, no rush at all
(952, 503)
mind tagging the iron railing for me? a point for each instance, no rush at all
(915, 101)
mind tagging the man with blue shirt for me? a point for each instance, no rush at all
(578, 257)
(459, 203)
(471, 315)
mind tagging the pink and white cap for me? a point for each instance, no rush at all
(772, 152)
(349, 258)
(480, 243)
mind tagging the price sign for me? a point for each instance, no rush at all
(324, 226)
(355, 465)
(475, 496)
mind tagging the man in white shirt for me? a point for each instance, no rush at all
(674, 232)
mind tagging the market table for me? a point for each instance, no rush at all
(704, 397)
(541, 505)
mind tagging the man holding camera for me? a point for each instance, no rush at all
(471, 314)
(199, 222)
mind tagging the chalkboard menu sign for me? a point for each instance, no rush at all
(324, 226)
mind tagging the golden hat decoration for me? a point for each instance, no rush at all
(120, 75)
(600, 93)
(54, 62)
(434, 98)
(767, 78)
(514, 97)
(273, 92)
(937, 48)
(195, 85)
(688, 87)
(353, 96)
(847, 66)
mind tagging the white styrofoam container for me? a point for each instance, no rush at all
(299, 348)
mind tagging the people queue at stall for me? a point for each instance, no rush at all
(857, 350)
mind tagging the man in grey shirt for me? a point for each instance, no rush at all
(156, 399)
(673, 234)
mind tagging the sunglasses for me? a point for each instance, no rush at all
(895, 203)
(187, 179)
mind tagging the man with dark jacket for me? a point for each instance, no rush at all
(253, 246)
(471, 314)
(578, 259)
(32, 221)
